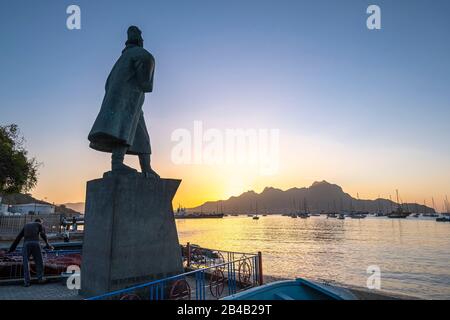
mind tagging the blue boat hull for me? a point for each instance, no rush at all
(299, 289)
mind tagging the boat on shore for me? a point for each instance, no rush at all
(298, 289)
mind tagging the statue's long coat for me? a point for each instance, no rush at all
(121, 120)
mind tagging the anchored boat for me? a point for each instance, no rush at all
(399, 213)
(443, 219)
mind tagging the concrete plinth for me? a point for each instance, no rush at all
(130, 235)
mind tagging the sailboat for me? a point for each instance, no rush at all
(255, 217)
(304, 214)
(293, 214)
(399, 213)
(431, 214)
(447, 208)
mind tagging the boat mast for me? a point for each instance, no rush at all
(434, 207)
(358, 203)
(398, 201)
(305, 206)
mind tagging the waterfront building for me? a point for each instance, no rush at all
(32, 208)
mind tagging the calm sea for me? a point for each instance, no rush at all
(412, 254)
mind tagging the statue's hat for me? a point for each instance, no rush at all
(134, 35)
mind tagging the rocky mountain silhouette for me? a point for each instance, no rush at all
(319, 197)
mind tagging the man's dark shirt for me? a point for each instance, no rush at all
(30, 232)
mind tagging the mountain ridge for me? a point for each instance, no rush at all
(321, 196)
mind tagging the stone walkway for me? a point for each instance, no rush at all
(48, 291)
(58, 291)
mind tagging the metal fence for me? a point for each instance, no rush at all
(210, 274)
(13, 224)
(213, 274)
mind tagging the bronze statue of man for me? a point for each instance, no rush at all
(120, 127)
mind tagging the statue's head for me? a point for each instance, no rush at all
(134, 36)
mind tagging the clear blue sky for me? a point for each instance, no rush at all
(311, 68)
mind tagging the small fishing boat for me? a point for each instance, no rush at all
(431, 215)
(358, 216)
(399, 214)
(299, 289)
(197, 215)
(255, 217)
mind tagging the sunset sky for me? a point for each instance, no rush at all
(368, 110)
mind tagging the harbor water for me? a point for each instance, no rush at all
(413, 254)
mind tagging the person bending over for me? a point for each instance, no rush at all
(31, 247)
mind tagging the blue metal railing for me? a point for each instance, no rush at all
(206, 283)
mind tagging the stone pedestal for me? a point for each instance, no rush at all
(130, 235)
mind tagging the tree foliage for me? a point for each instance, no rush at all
(18, 172)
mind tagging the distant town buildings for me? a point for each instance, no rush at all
(24, 209)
